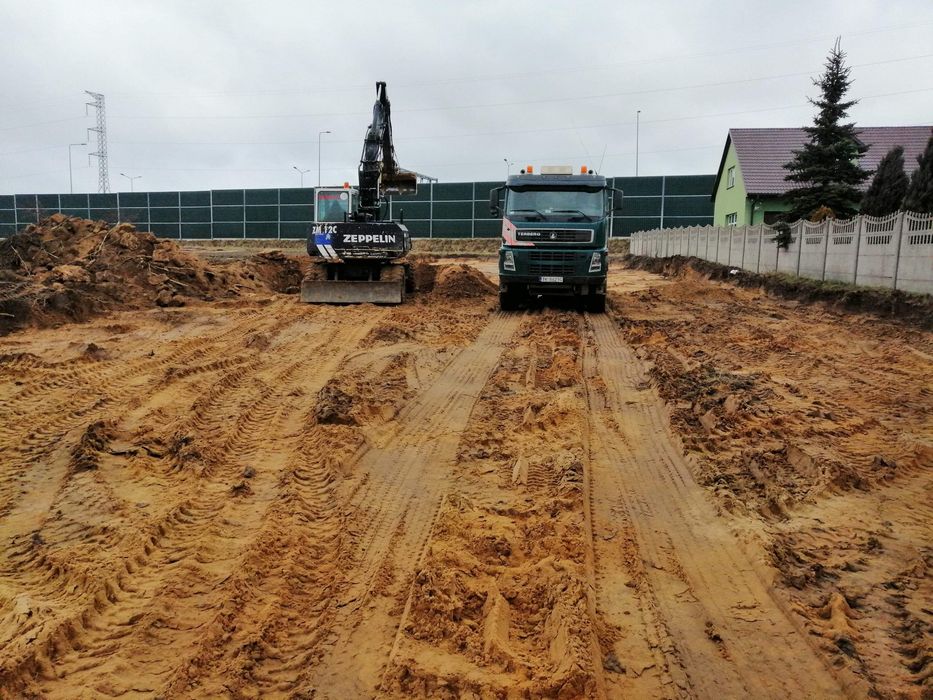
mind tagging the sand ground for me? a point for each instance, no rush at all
(705, 492)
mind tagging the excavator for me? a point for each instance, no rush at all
(358, 259)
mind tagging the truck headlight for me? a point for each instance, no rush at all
(596, 263)
(508, 261)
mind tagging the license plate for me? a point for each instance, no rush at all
(552, 278)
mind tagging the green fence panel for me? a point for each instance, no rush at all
(133, 199)
(263, 213)
(262, 197)
(699, 185)
(200, 198)
(228, 229)
(453, 210)
(638, 186)
(227, 214)
(165, 230)
(295, 195)
(262, 229)
(227, 197)
(111, 216)
(196, 230)
(487, 229)
(164, 215)
(687, 206)
(134, 214)
(298, 212)
(641, 206)
(196, 215)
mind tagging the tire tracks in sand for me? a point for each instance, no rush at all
(708, 625)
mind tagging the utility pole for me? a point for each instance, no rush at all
(71, 184)
(301, 175)
(636, 141)
(319, 134)
(103, 175)
(131, 178)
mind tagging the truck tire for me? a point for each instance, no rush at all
(596, 303)
(508, 301)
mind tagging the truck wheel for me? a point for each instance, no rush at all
(596, 303)
(508, 301)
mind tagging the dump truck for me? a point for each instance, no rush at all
(555, 229)
(357, 253)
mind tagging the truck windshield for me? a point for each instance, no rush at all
(562, 205)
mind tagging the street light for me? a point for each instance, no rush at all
(71, 186)
(508, 167)
(301, 175)
(131, 178)
(319, 156)
(637, 114)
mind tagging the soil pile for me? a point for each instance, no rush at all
(462, 281)
(916, 309)
(71, 269)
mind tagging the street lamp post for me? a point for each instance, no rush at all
(301, 175)
(637, 114)
(131, 178)
(508, 167)
(319, 134)
(71, 185)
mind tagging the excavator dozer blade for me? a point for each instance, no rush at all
(353, 292)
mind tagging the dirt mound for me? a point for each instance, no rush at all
(462, 281)
(71, 269)
(915, 309)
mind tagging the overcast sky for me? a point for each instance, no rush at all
(208, 94)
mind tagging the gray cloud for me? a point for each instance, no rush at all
(233, 94)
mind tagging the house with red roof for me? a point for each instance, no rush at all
(750, 187)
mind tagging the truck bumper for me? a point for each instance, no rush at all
(578, 285)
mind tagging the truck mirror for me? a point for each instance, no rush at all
(494, 201)
(617, 195)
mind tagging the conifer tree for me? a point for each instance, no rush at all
(919, 197)
(888, 187)
(826, 170)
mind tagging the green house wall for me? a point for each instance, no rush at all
(729, 200)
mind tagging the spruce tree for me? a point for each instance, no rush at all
(919, 197)
(826, 169)
(889, 185)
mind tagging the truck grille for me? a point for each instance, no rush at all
(551, 262)
(555, 235)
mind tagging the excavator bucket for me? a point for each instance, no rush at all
(402, 182)
(355, 283)
(352, 292)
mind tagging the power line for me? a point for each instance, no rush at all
(511, 132)
(546, 100)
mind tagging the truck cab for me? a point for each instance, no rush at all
(555, 229)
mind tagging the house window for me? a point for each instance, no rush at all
(730, 178)
(732, 219)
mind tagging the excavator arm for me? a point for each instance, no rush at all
(379, 172)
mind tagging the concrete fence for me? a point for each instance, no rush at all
(894, 251)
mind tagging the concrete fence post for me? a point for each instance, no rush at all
(761, 235)
(828, 225)
(859, 227)
(801, 228)
(899, 228)
(744, 246)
